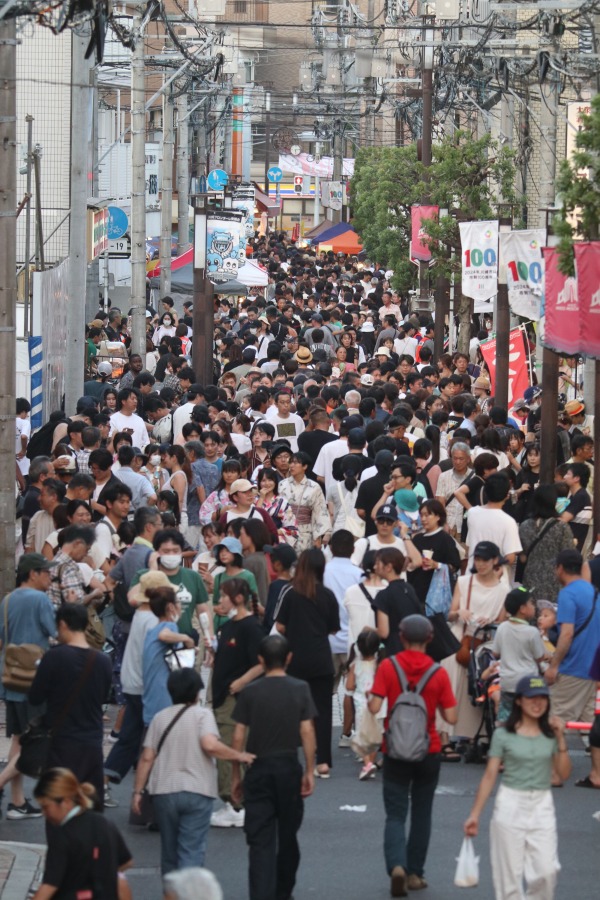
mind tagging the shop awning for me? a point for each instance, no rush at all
(265, 203)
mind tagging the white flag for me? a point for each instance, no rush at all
(479, 248)
(521, 259)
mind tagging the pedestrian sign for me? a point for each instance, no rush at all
(275, 174)
(217, 179)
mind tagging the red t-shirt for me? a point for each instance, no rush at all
(438, 691)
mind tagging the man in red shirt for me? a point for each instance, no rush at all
(411, 781)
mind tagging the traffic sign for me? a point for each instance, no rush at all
(118, 223)
(120, 247)
(275, 174)
(217, 179)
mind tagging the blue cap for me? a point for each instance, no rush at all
(230, 543)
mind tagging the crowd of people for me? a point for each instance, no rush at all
(339, 494)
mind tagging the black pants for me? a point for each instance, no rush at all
(274, 810)
(321, 690)
(125, 752)
(84, 760)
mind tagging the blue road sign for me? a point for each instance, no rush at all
(275, 174)
(118, 223)
(217, 179)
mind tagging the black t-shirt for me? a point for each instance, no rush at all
(237, 652)
(308, 624)
(444, 551)
(84, 854)
(577, 503)
(275, 589)
(339, 463)
(397, 601)
(58, 673)
(273, 709)
(312, 442)
(369, 493)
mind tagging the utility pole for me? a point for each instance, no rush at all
(548, 117)
(502, 323)
(8, 297)
(138, 192)
(267, 139)
(338, 163)
(166, 195)
(75, 358)
(427, 89)
(27, 271)
(183, 175)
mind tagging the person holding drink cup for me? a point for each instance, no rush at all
(436, 547)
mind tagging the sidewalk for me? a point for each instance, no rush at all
(21, 868)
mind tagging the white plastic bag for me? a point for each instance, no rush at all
(467, 868)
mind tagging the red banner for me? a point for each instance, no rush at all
(587, 265)
(561, 307)
(419, 251)
(518, 374)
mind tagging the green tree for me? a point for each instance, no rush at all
(578, 186)
(466, 177)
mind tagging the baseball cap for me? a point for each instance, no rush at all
(520, 404)
(230, 543)
(486, 550)
(283, 553)
(387, 512)
(532, 686)
(241, 484)
(104, 368)
(367, 380)
(316, 317)
(33, 562)
(68, 464)
(531, 393)
(416, 629)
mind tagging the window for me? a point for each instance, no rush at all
(240, 6)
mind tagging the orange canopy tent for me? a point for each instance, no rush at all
(347, 242)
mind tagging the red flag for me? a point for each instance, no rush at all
(561, 307)
(587, 264)
(518, 375)
(419, 251)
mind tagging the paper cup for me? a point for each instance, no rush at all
(427, 554)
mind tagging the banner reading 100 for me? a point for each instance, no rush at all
(520, 271)
(476, 257)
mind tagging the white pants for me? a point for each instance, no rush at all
(523, 845)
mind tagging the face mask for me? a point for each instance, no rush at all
(155, 460)
(232, 613)
(171, 560)
(166, 322)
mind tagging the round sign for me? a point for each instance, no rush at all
(118, 223)
(217, 179)
(275, 174)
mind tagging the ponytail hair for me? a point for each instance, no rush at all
(60, 784)
(234, 586)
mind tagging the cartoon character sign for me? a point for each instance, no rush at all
(223, 229)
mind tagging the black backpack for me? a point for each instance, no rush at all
(40, 443)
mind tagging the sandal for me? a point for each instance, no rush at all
(587, 783)
(449, 754)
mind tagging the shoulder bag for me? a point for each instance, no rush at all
(581, 628)
(468, 642)
(95, 634)
(353, 524)
(146, 815)
(20, 661)
(37, 738)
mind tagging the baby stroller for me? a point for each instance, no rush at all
(480, 691)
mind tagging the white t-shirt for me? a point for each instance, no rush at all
(121, 422)
(494, 525)
(289, 428)
(23, 428)
(406, 346)
(181, 416)
(242, 443)
(327, 455)
(373, 543)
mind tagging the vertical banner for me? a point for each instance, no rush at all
(479, 245)
(335, 194)
(518, 373)
(223, 229)
(243, 200)
(419, 216)
(37, 393)
(325, 194)
(561, 307)
(587, 267)
(521, 257)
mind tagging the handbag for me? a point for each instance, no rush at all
(36, 740)
(353, 524)
(180, 659)
(20, 661)
(146, 813)
(468, 642)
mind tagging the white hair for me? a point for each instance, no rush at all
(192, 884)
(353, 398)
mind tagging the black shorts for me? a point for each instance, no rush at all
(19, 714)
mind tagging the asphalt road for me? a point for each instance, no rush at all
(342, 850)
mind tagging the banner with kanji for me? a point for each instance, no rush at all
(419, 215)
(518, 373)
(479, 249)
(561, 307)
(521, 258)
(587, 267)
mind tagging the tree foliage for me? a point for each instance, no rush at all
(466, 177)
(578, 185)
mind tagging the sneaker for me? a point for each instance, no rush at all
(109, 801)
(345, 740)
(113, 737)
(228, 817)
(26, 811)
(368, 771)
(416, 883)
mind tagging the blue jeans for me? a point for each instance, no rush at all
(403, 782)
(124, 753)
(183, 820)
